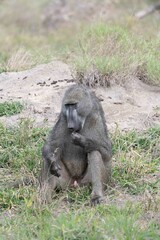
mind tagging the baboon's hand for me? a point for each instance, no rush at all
(78, 139)
(88, 144)
(55, 168)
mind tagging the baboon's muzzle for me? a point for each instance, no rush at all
(73, 122)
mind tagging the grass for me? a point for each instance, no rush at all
(21, 147)
(102, 222)
(110, 49)
(10, 108)
(114, 50)
(70, 216)
(24, 40)
(19, 60)
(137, 160)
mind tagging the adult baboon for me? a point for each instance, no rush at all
(78, 149)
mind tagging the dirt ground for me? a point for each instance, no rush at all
(135, 105)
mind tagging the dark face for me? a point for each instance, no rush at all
(74, 121)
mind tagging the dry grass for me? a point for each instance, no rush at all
(19, 60)
(93, 78)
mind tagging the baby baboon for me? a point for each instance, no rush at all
(78, 149)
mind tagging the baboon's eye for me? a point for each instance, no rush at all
(69, 109)
(71, 105)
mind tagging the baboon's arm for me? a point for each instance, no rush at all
(52, 148)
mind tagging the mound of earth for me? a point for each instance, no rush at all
(135, 105)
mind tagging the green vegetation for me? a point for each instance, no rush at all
(10, 108)
(100, 51)
(115, 50)
(135, 167)
(21, 147)
(102, 222)
(139, 157)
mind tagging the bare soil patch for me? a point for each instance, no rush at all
(135, 105)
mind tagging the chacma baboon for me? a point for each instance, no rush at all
(78, 149)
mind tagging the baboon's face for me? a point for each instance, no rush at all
(76, 106)
(75, 122)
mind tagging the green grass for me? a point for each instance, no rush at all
(70, 215)
(135, 159)
(10, 108)
(20, 157)
(117, 49)
(111, 49)
(114, 50)
(102, 222)
(21, 147)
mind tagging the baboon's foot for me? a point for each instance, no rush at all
(95, 200)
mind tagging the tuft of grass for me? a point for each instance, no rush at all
(21, 147)
(10, 108)
(19, 60)
(113, 50)
(135, 160)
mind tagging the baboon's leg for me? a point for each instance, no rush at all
(49, 182)
(64, 180)
(87, 177)
(98, 176)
